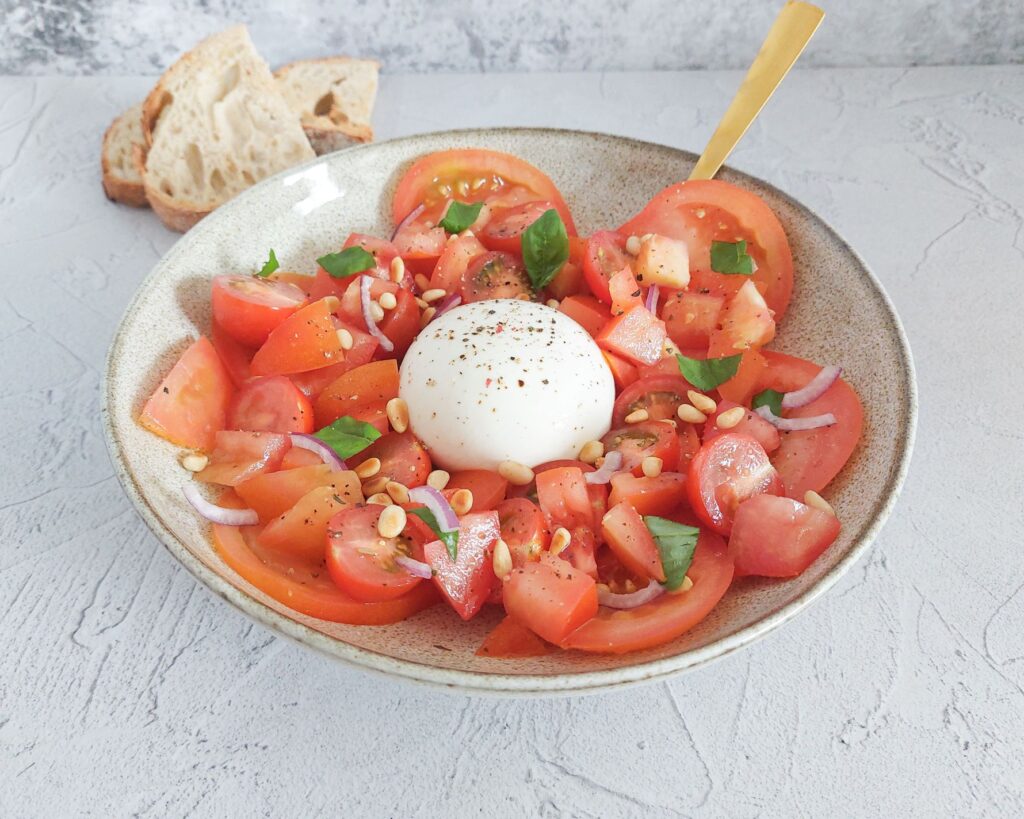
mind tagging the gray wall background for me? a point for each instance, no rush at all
(132, 37)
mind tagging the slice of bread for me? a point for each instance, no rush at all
(122, 180)
(213, 125)
(334, 97)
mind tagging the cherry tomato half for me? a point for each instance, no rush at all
(271, 404)
(248, 308)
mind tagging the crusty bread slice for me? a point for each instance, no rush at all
(122, 181)
(334, 96)
(213, 125)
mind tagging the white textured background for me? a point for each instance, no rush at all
(130, 37)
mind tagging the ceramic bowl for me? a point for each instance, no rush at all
(839, 314)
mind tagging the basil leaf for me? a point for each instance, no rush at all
(731, 257)
(269, 266)
(545, 247)
(676, 544)
(348, 436)
(769, 398)
(449, 539)
(460, 216)
(706, 374)
(348, 262)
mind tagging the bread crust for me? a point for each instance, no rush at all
(115, 187)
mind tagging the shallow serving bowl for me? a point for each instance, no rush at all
(839, 314)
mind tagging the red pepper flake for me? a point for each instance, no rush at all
(487, 383)
(500, 328)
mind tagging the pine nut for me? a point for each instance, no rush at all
(434, 294)
(388, 301)
(730, 418)
(633, 245)
(524, 297)
(462, 501)
(690, 414)
(381, 499)
(396, 271)
(647, 237)
(375, 485)
(438, 479)
(704, 403)
(398, 492)
(194, 462)
(345, 339)
(591, 451)
(637, 416)
(398, 414)
(376, 311)
(515, 473)
(651, 466)
(427, 316)
(391, 521)
(552, 303)
(332, 303)
(420, 303)
(502, 560)
(422, 282)
(686, 585)
(559, 540)
(368, 468)
(816, 501)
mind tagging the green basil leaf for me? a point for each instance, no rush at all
(676, 544)
(545, 246)
(460, 216)
(269, 266)
(769, 398)
(731, 257)
(348, 262)
(706, 374)
(348, 436)
(449, 539)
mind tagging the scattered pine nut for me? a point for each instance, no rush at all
(687, 584)
(629, 586)
(381, 499)
(391, 521)
(559, 540)
(332, 303)
(438, 479)
(376, 311)
(637, 416)
(816, 501)
(427, 316)
(397, 270)
(599, 462)
(462, 501)
(375, 485)
(422, 282)
(651, 466)
(515, 473)
(398, 492)
(388, 301)
(552, 303)
(647, 237)
(704, 403)
(591, 451)
(434, 294)
(633, 245)
(368, 468)
(345, 339)
(524, 297)
(420, 303)
(502, 560)
(398, 414)
(730, 418)
(194, 462)
(690, 414)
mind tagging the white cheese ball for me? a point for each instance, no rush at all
(505, 380)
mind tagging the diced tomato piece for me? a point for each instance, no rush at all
(236, 357)
(302, 530)
(582, 550)
(370, 384)
(506, 226)
(420, 246)
(742, 386)
(274, 493)
(623, 372)
(649, 496)
(752, 424)
(605, 255)
(488, 487)
(324, 284)
(238, 456)
(568, 281)
(691, 318)
(306, 340)
(451, 267)
(383, 253)
(303, 281)
(402, 323)
(628, 537)
(523, 528)
(272, 404)
(295, 458)
(191, 403)
(314, 382)
(624, 291)
(779, 537)
(746, 322)
(510, 639)
(562, 495)
(660, 395)
(550, 598)
(635, 335)
(495, 275)
(662, 261)
(642, 440)
(467, 581)
(587, 312)
(402, 458)
(248, 308)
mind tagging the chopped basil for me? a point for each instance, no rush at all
(545, 246)
(731, 257)
(676, 544)
(269, 266)
(769, 398)
(706, 374)
(449, 539)
(348, 436)
(460, 216)
(348, 262)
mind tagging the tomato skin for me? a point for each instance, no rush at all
(190, 405)
(645, 439)
(248, 308)
(742, 386)
(306, 340)
(667, 617)
(625, 292)
(300, 531)
(581, 553)
(729, 469)
(779, 537)
(488, 487)
(371, 384)
(314, 382)
(689, 446)
(604, 255)
(649, 496)
(509, 639)
(550, 598)
(752, 424)
(623, 372)
(383, 253)
(238, 456)
(236, 357)
(636, 335)
(660, 395)
(451, 266)
(495, 275)
(402, 458)
(563, 497)
(568, 281)
(467, 581)
(271, 404)
(746, 322)
(628, 537)
(524, 529)
(274, 493)
(402, 323)
(587, 312)
(691, 318)
(505, 228)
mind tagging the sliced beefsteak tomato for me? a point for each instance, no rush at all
(238, 456)
(779, 537)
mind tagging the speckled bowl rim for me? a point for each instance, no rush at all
(492, 683)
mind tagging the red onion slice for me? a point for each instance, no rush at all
(653, 293)
(371, 325)
(815, 388)
(414, 567)
(612, 463)
(318, 447)
(406, 221)
(796, 424)
(219, 514)
(651, 591)
(447, 520)
(454, 300)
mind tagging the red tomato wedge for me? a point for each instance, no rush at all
(649, 496)
(628, 537)
(505, 228)
(587, 312)
(645, 439)
(402, 458)
(623, 371)
(451, 267)
(779, 537)
(563, 497)
(271, 404)
(301, 531)
(314, 382)
(306, 340)
(689, 445)
(524, 529)
(510, 639)
(238, 456)
(742, 386)
(638, 336)
(466, 581)
(752, 424)
(701, 211)
(249, 308)
(488, 487)
(746, 322)
(667, 617)
(550, 597)
(274, 493)
(691, 318)
(660, 395)
(603, 257)
(496, 275)
(581, 553)
(383, 253)
(371, 384)
(190, 405)
(812, 458)
(625, 292)
(236, 357)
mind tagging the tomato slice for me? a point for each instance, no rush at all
(505, 227)
(306, 340)
(587, 312)
(302, 530)
(550, 598)
(649, 496)
(563, 497)
(249, 308)
(451, 266)
(636, 335)
(362, 563)
(660, 395)
(402, 458)
(689, 446)
(752, 424)
(495, 275)
(729, 469)
(488, 487)
(604, 256)
(314, 382)
(742, 386)
(236, 357)
(510, 639)
(523, 528)
(370, 384)
(691, 318)
(190, 405)
(238, 456)
(467, 581)
(628, 537)
(274, 493)
(667, 617)
(271, 404)
(779, 537)
(638, 441)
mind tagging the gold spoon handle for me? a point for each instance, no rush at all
(786, 39)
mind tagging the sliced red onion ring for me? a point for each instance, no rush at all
(414, 567)
(447, 520)
(318, 447)
(815, 388)
(406, 221)
(371, 325)
(454, 300)
(650, 592)
(796, 424)
(219, 514)
(612, 463)
(653, 293)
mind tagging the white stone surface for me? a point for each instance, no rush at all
(125, 688)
